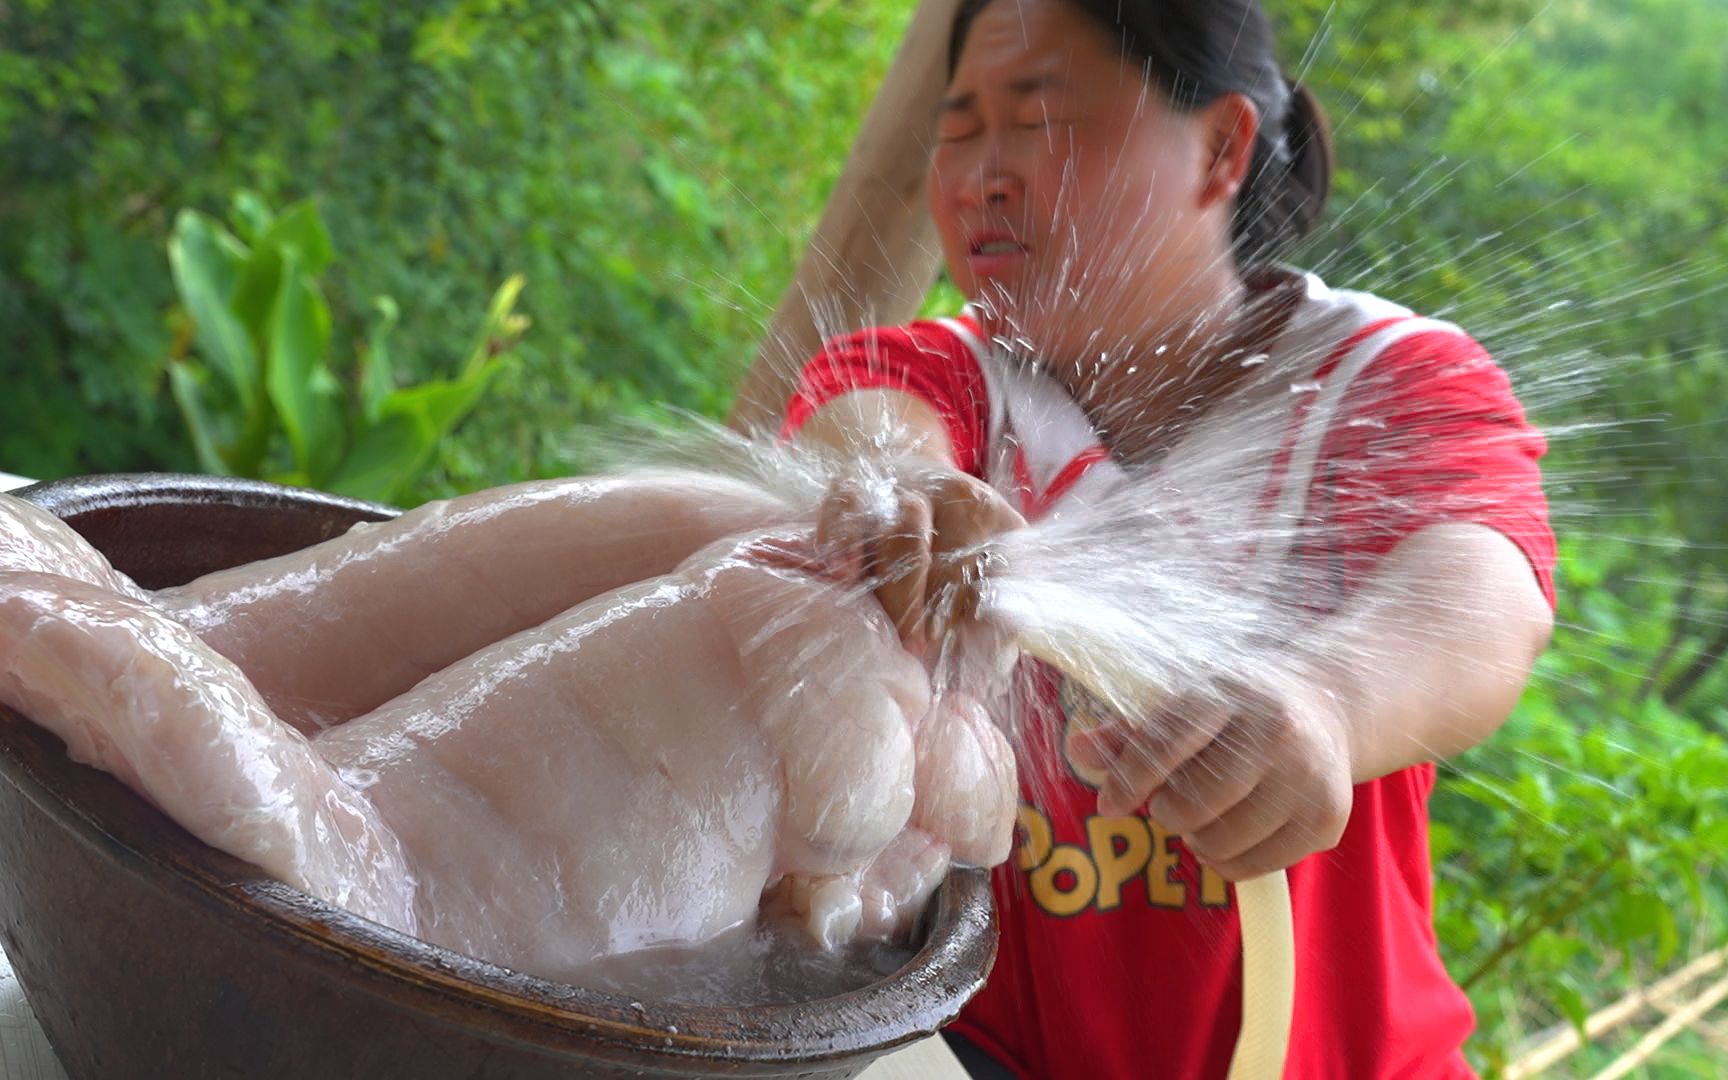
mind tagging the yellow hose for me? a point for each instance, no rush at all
(1268, 977)
(1262, 904)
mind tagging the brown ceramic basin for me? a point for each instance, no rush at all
(147, 954)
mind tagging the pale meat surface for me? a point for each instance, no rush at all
(338, 629)
(656, 762)
(35, 540)
(136, 694)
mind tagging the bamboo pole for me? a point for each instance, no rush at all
(874, 253)
(1714, 1032)
(1607, 1019)
(1666, 1030)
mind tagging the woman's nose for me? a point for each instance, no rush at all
(994, 186)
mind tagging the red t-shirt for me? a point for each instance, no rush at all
(1120, 955)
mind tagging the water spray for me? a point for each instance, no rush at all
(1096, 660)
(1038, 589)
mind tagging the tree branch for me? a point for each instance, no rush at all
(1536, 923)
(1701, 665)
(1676, 634)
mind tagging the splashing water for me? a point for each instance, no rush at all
(1181, 579)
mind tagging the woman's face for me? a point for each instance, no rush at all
(1073, 202)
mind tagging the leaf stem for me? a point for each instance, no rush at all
(1543, 919)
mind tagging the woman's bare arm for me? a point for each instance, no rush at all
(883, 423)
(1431, 656)
(1425, 662)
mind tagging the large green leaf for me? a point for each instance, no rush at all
(328, 430)
(301, 229)
(390, 452)
(384, 458)
(299, 337)
(205, 261)
(205, 424)
(442, 404)
(256, 290)
(250, 214)
(377, 377)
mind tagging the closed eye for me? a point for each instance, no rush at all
(1040, 112)
(957, 128)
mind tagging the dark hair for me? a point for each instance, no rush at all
(1198, 50)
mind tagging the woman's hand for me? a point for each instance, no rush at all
(914, 527)
(1253, 777)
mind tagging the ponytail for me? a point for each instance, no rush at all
(1288, 181)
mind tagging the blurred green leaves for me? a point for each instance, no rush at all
(651, 169)
(1578, 853)
(263, 396)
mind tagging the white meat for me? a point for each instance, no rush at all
(654, 763)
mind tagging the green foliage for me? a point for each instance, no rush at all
(638, 166)
(1580, 850)
(264, 399)
(429, 162)
(710, 136)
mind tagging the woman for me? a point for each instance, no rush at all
(1114, 184)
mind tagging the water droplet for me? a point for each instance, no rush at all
(1161, 350)
(360, 779)
(1256, 360)
(1311, 387)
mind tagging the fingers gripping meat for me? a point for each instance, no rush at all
(337, 629)
(134, 693)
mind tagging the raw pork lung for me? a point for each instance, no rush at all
(134, 693)
(620, 744)
(342, 627)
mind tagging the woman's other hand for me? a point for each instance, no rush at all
(1254, 777)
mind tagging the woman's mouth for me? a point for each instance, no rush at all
(995, 256)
